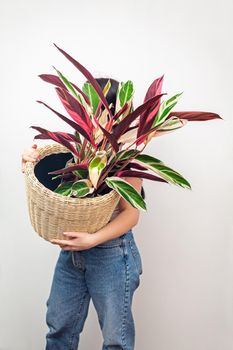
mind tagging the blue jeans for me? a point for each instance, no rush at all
(109, 273)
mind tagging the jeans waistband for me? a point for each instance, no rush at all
(117, 241)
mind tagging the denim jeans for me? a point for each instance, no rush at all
(108, 273)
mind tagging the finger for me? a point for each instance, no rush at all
(34, 151)
(55, 243)
(69, 248)
(28, 159)
(33, 154)
(61, 241)
(71, 234)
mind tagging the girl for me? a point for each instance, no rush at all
(104, 266)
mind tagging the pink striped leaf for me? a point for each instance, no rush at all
(125, 123)
(55, 80)
(57, 138)
(75, 109)
(72, 124)
(70, 169)
(89, 76)
(140, 174)
(195, 115)
(155, 88)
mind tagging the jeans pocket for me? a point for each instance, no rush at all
(136, 255)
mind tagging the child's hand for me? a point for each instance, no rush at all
(29, 155)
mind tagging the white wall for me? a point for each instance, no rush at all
(185, 300)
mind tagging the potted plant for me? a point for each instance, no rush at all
(79, 180)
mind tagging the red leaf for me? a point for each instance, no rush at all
(140, 174)
(52, 79)
(146, 119)
(72, 124)
(69, 169)
(136, 166)
(124, 124)
(195, 115)
(55, 80)
(57, 138)
(121, 111)
(141, 138)
(89, 77)
(67, 136)
(111, 138)
(75, 110)
(155, 88)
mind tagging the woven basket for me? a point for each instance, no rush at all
(51, 213)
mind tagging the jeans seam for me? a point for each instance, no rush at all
(126, 292)
(136, 255)
(71, 342)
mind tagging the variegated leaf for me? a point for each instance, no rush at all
(87, 107)
(67, 83)
(123, 154)
(82, 173)
(171, 124)
(118, 105)
(164, 109)
(129, 136)
(127, 191)
(96, 166)
(81, 188)
(64, 188)
(107, 87)
(126, 92)
(162, 170)
(89, 90)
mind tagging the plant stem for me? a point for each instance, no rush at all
(101, 179)
(83, 148)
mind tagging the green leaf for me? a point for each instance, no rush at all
(164, 110)
(149, 160)
(96, 166)
(107, 87)
(126, 92)
(162, 170)
(81, 188)
(54, 177)
(127, 191)
(123, 155)
(67, 83)
(105, 92)
(92, 94)
(64, 188)
(83, 173)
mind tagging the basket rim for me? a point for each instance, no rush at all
(32, 179)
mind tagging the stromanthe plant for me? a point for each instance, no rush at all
(106, 146)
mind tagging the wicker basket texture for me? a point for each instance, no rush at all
(51, 213)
